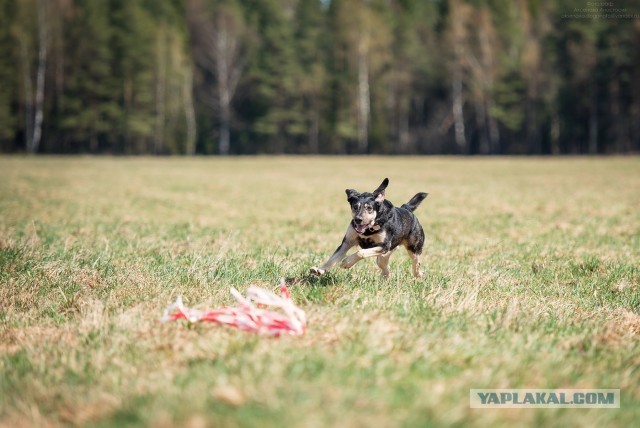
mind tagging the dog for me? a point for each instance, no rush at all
(378, 227)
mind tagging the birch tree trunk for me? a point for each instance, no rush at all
(161, 78)
(229, 64)
(364, 100)
(457, 36)
(225, 133)
(28, 93)
(40, 79)
(189, 111)
(486, 35)
(457, 110)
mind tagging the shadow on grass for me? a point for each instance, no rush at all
(310, 287)
(311, 280)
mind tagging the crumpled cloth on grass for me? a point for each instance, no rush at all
(249, 315)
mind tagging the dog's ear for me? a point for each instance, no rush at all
(351, 194)
(379, 192)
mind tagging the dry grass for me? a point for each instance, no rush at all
(532, 281)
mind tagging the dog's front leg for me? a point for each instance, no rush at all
(347, 243)
(363, 254)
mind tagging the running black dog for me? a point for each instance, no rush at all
(378, 228)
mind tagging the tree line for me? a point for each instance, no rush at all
(319, 76)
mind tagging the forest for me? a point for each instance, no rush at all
(231, 77)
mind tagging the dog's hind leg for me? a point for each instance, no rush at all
(414, 244)
(415, 259)
(383, 263)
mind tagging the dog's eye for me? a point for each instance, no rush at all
(356, 206)
(369, 208)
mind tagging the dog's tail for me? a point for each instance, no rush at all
(415, 201)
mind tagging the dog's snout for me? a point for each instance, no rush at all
(358, 219)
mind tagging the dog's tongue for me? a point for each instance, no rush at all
(360, 228)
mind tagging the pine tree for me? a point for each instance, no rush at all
(90, 105)
(309, 32)
(132, 38)
(275, 74)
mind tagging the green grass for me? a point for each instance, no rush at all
(532, 280)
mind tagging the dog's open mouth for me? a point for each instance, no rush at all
(360, 228)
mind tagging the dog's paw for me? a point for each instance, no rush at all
(316, 271)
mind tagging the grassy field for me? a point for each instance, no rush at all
(532, 280)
